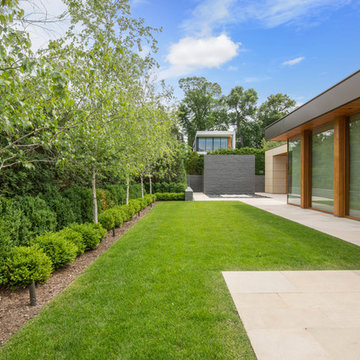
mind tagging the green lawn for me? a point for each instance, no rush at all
(158, 293)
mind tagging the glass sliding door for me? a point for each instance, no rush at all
(322, 179)
(354, 166)
(294, 171)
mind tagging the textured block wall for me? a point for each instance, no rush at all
(195, 182)
(229, 174)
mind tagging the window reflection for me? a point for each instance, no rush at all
(354, 164)
(294, 171)
(322, 180)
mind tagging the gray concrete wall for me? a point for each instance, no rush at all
(229, 174)
(195, 182)
(259, 183)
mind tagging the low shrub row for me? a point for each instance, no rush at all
(164, 187)
(50, 251)
(115, 216)
(170, 196)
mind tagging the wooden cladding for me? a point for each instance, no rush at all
(340, 141)
(305, 169)
(229, 142)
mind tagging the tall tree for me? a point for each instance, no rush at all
(274, 108)
(242, 111)
(201, 108)
(35, 100)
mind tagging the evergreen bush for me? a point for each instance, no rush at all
(57, 248)
(106, 219)
(25, 265)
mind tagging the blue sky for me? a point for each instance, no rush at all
(297, 47)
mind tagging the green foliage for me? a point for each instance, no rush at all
(60, 250)
(136, 204)
(73, 237)
(100, 231)
(167, 187)
(61, 206)
(106, 219)
(117, 215)
(259, 156)
(243, 106)
(202, 107)
(194, 164)
(25, 265)
(81, 203)
(91, 235)
(170, 196)
(41, 218)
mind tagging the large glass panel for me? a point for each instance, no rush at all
(224, 143)
(217, 143)
(322, 180)
(354, 181)
(201, 144)
(209, 144)
(294, 171)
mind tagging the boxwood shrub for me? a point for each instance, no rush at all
(74, 237)
(106, 219)
(99, 230)
(57, 248)
(90, 235)
(27, 264)
(117, 214)
(170, 196)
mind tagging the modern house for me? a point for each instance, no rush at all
(207, 141)
(323, 150)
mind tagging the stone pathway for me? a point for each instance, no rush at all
(299, 315)
(343, 228)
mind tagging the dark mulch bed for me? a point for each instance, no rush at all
(15, 310)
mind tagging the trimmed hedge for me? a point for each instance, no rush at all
(91, 234)
(27, 264)
(57, 248)
(107, 220)
(51, 251)
(170, 196)
(74, 237)
(165, 187)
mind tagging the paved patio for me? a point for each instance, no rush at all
(343, 228)
(299, 315)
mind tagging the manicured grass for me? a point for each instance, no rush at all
(158, 293)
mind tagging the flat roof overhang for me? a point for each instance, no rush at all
(342, 99)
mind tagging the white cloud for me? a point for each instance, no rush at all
(293, 62)
(207, 15)
(190, 54)
(212, 14)
(255, 79)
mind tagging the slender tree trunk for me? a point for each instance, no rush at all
(32, 292)
(127, 190)
(93, 186)
(113, 232)
(142, 186)
(150, 183)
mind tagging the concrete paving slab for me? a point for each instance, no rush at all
(307, 315)
(258, 282)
